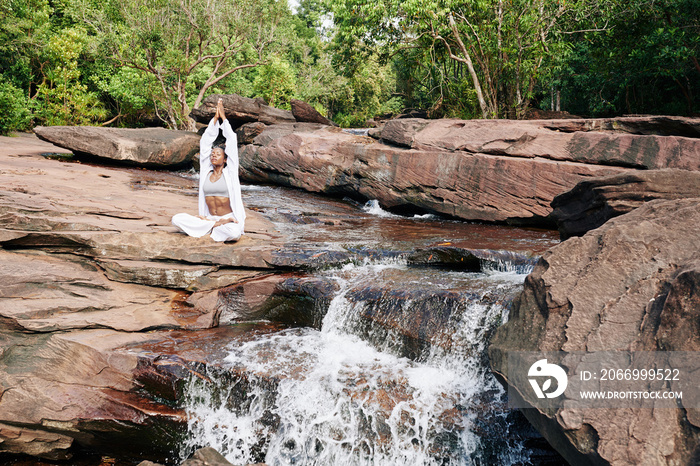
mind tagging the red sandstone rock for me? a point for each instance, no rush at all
(629, 285)
(469, 186)
(594, 201)
(304, 112)
(241, 110)
(588, 143)
(151, 147)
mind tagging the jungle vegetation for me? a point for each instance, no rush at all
(149, 62)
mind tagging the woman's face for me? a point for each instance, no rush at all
(218, 157)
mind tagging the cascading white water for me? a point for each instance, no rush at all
(341, 396)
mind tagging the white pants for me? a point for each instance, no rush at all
(196, 227)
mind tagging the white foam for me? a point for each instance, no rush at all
(372, 207)
(341, 400)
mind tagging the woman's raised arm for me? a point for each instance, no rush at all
(206, 143)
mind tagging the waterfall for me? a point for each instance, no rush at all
(348, 395)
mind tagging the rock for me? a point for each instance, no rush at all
(206, 456)
(375, 132)
(304, 112)
(475, 260)
(46, 294)
(593, 202)
(290, 299)
(173, 275)
(412, 113)
(629, 285)
(118, 215)
(247, 132)
(149, 147)
(649, 125)
(468, 186)
(39, 443)
(77, 387)
(240, 110)
(591, 143)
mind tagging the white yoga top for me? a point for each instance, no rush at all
(217, 188)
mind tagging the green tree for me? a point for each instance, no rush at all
(276, 83)
(503, 44)
(14, 108)
(644, 61)
(184, 46)
(61, 98)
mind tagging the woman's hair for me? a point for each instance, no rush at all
(223, 149)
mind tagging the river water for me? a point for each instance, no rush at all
(396, 373)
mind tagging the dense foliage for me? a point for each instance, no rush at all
(137, 62)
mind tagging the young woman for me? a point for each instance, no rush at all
(221, 209)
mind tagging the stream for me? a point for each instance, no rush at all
(396, 372)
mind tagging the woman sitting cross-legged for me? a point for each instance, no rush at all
(221, 209)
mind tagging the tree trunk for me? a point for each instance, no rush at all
(470, 67)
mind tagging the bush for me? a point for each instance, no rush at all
(14, 109)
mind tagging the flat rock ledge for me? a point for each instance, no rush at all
(91, 267)
(475, 186)
(592, 202)
(148, 147)
(630, 285)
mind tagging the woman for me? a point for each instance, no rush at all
(220, 205)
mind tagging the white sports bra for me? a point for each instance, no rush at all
(217, 188)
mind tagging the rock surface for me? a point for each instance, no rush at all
(593, 202)
(105, 311)
(602, 142)
(629, 285)
(487, 187)
(90, 261)
(240, 110)
(305, 113)
(150, 147)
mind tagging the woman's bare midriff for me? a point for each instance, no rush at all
(218, 205)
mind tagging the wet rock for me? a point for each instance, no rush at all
(240, 110)
(288, 299)
(627, 286)
(468, 186)
(593, 202)
(39, 443)
(77, 388)
(173, 275)
(304, 112)
(206, 457)
(409, 321)
(149, 147)
(471, 259)
(594, 144)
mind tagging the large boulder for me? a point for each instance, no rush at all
(455, 183)
(304, 112)
(603, 142)
(240, 110)
(149, 147)
(630, 285)
(594, 201)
